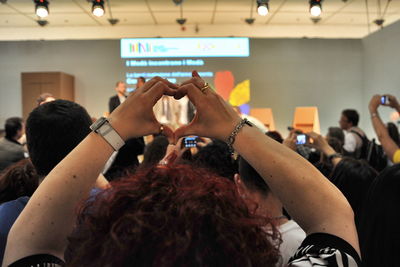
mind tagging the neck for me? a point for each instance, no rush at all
(121, 94)
(272, 206)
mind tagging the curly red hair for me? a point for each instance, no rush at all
(171, 216)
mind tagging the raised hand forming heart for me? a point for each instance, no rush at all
(214, 117)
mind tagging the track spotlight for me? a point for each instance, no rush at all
(315, 19)
(41, 8)
(113, 21)
(98, 8)
(379, 22)
(181, 21)
(315, 8)
(177, 2)
(262, 7)
(250, 21)
(42, 22)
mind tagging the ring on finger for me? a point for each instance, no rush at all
(163, 163)
(204, 88)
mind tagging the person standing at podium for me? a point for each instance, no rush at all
(126, 158)
(140, 82)
(119, 98)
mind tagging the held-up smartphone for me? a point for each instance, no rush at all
(385, 100)
(301, 139)
(190, 141)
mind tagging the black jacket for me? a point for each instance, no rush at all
(113, 103)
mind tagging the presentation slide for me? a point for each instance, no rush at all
(216, 60)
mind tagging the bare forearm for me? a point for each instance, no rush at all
(328, 151)
(47, 220)
(379, 126)
(56, 199)
(287, 174)
(389, 146)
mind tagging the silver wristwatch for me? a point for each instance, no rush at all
(103, 127)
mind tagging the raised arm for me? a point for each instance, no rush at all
(389, 146)
(322, 145)
(315, 203)
(48, 218)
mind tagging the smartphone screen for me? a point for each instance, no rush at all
(190, 141)
(301, 139)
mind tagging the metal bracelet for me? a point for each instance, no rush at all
(232, 136)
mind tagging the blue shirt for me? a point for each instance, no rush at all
(9, 212)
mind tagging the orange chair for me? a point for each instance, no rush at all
(306, 119)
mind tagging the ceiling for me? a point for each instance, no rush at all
(72, 19)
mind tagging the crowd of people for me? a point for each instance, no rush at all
(217, 191)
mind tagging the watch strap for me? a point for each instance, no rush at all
(103, 127)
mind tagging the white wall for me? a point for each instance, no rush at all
(307, 72)
(95, 65)
(284, 73)
(381, 67)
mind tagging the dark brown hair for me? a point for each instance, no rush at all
(19, 179)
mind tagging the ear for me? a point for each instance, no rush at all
(240, 186)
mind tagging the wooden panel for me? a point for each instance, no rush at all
(67, 84)
(50, 82)
(59, 84)
(31, 89)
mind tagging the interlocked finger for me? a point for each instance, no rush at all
(205, 88)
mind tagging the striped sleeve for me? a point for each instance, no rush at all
(321, 249)
(39, 260)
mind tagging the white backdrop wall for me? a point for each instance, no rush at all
(284, 73)
(381, 67)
